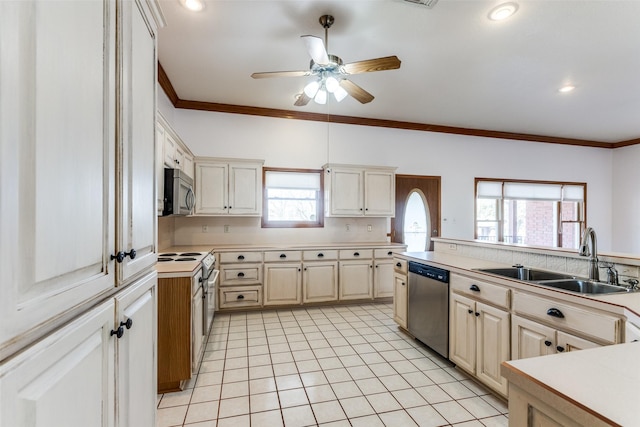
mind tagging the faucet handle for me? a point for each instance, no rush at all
(517, 266)
(633, 284)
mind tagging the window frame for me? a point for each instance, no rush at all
(558, 225)
(318, 223)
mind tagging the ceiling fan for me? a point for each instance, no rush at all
(330, 72)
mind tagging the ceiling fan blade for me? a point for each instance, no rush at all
(378, 64)
(316, 49)
(280, 74)
(356, 91)
(302, 100)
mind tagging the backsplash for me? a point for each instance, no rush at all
(560, 260)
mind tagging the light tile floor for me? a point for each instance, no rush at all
(329, 366)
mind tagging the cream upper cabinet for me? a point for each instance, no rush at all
(353, 191)
(58, 149)
(228, 187)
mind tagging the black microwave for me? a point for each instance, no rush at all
(179, 198)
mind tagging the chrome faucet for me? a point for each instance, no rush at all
(612, 274)
(590, 235)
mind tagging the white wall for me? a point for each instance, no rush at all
(457, 159)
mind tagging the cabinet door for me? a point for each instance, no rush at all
(160, 133)
(568, 342)
(462, 332)
(400, 299)
(346, 192)
(169, 149)
(530, 339)
(282, 284)
(380, 193)
(137, 219)
(67, 379)
(245, 189)
(383, 279)
(212, 188)
(320, 281)
(356, 280)
(187, 164)
(493, 346)
(57, 148)
(136, 358)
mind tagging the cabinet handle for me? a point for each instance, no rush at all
(119, 257)
(230, 207)
(547, 343)
(554, 312)
(390, 253)
(470, 311)
(320, 255)
(132, 253)
(474, 288)
(128, 324)
(283, 256)
(240, 297)
(560, 349)
(403, 284)
(398, 265)
(477, 314)
(356, 254)
(118, 332)
(300, 269)
(366, 209)
(241, 274)
(240, 257)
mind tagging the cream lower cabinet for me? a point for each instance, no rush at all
(320, 281)
(479, 340)
(282, 283)
(94, 371)
(356, 280)
(400, 299)
(383, 281)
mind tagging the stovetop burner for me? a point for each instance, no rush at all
(168, 254)
(185, 259)
(161, 259)
(190, 254)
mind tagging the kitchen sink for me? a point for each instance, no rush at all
(583, 286)
(527, 274)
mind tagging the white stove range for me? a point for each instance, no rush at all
(181, 256)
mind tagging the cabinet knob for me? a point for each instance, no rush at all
(132, 253)
(474, 288)
(547, 343)
(241, 274)
(356, 254)
(128, 324)
(470, 311)
(398, 265)
(283, 256)
(560, 349)
(390, 253)
(403, 284)
(240, 297)
(118, 332)
(119, 257)
(554, 312)
(320, 255)
(240, 257)
(477, 314)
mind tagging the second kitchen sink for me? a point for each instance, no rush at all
(584, 286)
(527, 274)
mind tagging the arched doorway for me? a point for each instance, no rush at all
(416, 222)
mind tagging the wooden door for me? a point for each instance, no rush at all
(429, 186)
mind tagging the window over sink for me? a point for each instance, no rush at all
(292, 198)
(535, 213)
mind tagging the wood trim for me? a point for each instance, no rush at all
(364, 121)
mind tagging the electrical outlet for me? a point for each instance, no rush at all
(348, 227)
(369, 227)
(453, 247)
(226, 228)
(205, 228)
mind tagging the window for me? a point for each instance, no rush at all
(293, 198)
(536, 213)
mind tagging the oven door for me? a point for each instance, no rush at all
(210, 301)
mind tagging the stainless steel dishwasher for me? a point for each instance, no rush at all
(428, 317)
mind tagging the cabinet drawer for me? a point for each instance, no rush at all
(244, 296)
(227, 257)
(400, 265)
(493, 294)
(356, 253)
(569, 317)
(383, 253)
(236, 274)
(320, 255)
(281, 256)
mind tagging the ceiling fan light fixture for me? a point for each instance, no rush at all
(331, 83)
(193, 5)
(503, 11)
(340, 94)
(566, 88)
(321, 97)
(312, 88)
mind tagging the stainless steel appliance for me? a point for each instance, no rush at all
(179, 198)
(428, 317)
(209, 279)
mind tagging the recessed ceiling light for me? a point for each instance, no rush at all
(503, 11)
(566, 88)
(193, 5)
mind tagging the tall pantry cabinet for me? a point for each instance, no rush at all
(77, 191)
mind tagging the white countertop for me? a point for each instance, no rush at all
(603, 381)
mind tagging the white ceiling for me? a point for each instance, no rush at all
(458, 68)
